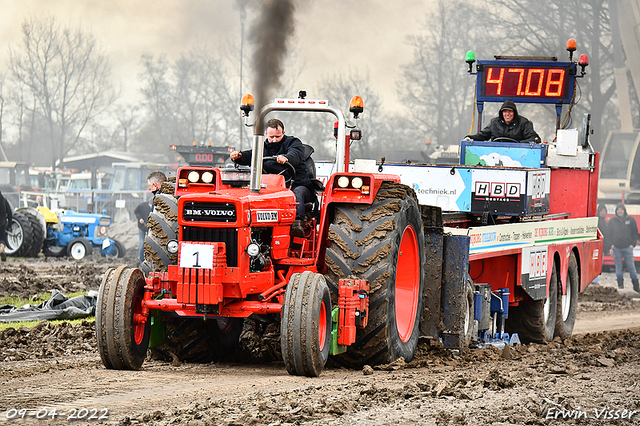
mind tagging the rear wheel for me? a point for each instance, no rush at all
(305, 330)
(79, 248)
(535, 321)
(195, 340)
(566, 312)
(382, 243)
(25, 235)
(163, 226)
(122, 332)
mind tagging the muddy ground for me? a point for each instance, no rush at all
(595, 375)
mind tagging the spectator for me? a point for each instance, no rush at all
(623, 237)
(155, 181)
(142, 214)
(602, 226)
(509, 125)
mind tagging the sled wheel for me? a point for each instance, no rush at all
(384, 244)
(25, 235)
(566, 311)
(79, 248)
(122, 332)
(535, 321)
(305, 330)
(163, 226)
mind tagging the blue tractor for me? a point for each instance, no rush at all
(76, 234)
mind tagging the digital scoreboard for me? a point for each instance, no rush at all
(525, 81)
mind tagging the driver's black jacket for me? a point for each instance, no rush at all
(520, 128)
(289, 146)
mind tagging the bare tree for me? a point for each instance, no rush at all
(67, 75)
(435, 86)
(2, 115)
(189, 100)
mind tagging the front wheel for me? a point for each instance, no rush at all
(566, 312)
(305, 330)
(122, 331)
(79, 248)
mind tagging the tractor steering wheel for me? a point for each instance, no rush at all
(504, 139)
(288, 167)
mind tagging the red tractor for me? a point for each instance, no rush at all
(222, 252)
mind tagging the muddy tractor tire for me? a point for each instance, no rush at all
(305, 328)
(568, 302)
(163, 226)
(535, 322)
(26, 235)
(195, 340)
(79, 248)
(122, 332)
(382, 243)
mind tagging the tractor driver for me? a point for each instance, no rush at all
(285, 149)
(508, 124)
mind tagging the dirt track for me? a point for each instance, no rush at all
(59, 367)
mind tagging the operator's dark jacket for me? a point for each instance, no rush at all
(623, 231)
(520, 128)
(289, 146)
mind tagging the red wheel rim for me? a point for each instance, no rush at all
(138, 320)
(322, 325)
(407, 284)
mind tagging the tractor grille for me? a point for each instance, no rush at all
(193, 211)
(229, 236)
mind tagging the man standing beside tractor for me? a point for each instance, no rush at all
(284, 149)
(623, 237)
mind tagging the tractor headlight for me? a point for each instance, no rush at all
(343, 181)
(172, 246)
(102, 230)
(253, 250)
(193, 176)
(207, 177)
(356, 182)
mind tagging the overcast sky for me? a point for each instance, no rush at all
(333, 36)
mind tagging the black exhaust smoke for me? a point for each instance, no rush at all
(270, 34)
